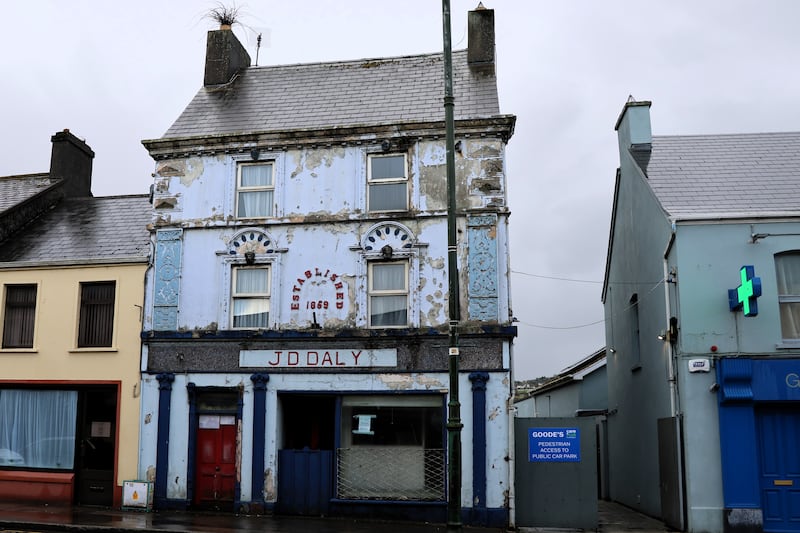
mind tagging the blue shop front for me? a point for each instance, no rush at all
(759, 414)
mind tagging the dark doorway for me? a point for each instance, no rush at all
(308, 421)
(305, 460)
(96, 436)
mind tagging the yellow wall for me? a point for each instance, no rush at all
(54, 356)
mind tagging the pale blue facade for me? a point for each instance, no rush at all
(689, 213)
(298, 383)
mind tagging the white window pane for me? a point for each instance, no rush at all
(256, 175)
(387, 197)
(787, 268)
(251, 281)
(255, 204)
(392, 167)
(790, 320)
(388, 311)
(391, 276)
(250, 313)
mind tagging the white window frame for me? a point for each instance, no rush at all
(372, 292)
(259, 188)
(387, 181)
(250, 295)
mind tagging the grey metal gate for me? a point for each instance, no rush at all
(669, 471)
(556, 472)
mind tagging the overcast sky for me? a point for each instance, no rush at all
(115, 73)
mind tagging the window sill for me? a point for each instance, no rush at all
(788, 344)
(18, 350)
(104, 349)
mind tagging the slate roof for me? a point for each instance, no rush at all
(16, 189)
(726, 176)
(347, 93)
(85, 229)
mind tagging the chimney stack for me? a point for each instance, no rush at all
(480, 40)
(71, 162)
(225, 57)
(633, 127)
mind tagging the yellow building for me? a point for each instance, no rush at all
(72, 270)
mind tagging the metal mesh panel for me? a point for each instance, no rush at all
(390, 473)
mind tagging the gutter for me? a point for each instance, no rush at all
(15, 265)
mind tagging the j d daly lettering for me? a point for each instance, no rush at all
(314, 358)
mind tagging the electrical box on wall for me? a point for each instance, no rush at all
(137, 495)
(699, 365)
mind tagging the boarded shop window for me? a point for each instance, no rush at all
(392, 448)
(19, 316)
(96, 323)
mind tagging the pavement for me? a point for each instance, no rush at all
(612, 517)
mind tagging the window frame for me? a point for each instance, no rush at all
(5, 317)
(81, 342)
(789, 342)
(271, 209)
(372, 292)
(388, 181)
(234, 295)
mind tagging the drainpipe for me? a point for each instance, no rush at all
(673, 384)
(512, 419)
(674, 396)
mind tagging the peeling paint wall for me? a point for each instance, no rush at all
(497, 426)
(319, 223)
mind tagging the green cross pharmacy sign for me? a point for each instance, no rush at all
(745, 296)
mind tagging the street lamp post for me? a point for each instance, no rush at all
(453, 406)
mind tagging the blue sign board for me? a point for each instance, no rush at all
(554, 445)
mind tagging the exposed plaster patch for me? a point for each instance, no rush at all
(269, 485)
(429, 382)
(437, 263)
(194, 168)
(151, 473)
(171, 168)
(494, 414)
(162, 185)
(396, 381)
(482, 150)
(147, 418)
(745, 518)
(165, 203)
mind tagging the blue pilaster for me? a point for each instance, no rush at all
(167, 269)
(191, 453)
(737, 429)
(482, 262)
(259, 434)
(479, 380)
(162, 439)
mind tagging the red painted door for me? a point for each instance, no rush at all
(216, 461)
